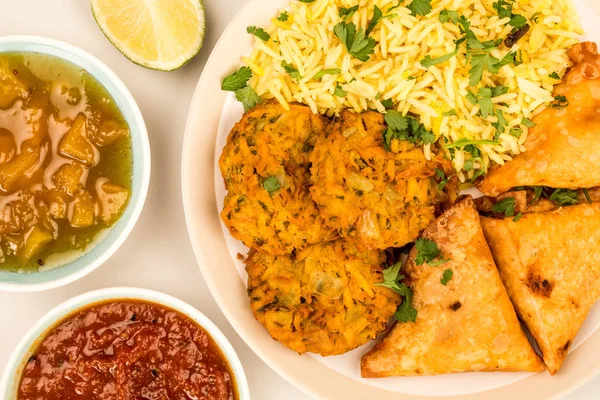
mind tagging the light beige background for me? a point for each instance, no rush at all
(157, 255)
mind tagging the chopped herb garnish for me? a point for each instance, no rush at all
(443, 179)
(446, 277)
(248, 97)
(292, 72)
(392, 280)
(428, 61)
(306, 1)
(554, 75)
(339, 92)
(405, 128)
(357, 43)
(517, 217)
(564, 197)
(466, 142)
(420, 7)
(449, 113)
(238, 80)
(377, 15)
(448, 16)
(391, 277)
(518, 21)
(331, 71)
(284, 16)
(347, 13)
(388, 104)
(506, 206)
(479, 63)
(509, 58)
(536, 17)
(515, 132)
(559, 102)
(406, 312)
(427, 252)
(259, 33)
(527, 122)
(271, 184)
(587, 196)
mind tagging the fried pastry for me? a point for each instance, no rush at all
(466, 324)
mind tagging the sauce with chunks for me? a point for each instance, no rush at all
(127, 349)
(65, 161)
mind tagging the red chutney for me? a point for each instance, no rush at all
(127, 350)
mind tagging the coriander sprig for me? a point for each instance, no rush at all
(392, 279)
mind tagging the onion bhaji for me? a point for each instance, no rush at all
(265, 166)
(379, 198)
(321, 299)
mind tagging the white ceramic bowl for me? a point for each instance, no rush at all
(102, 250)
(16, 362)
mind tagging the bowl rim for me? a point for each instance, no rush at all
(136, 203)
(15, 363)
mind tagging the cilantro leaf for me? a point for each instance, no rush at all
(405, 128)
(506, 206)
(395, 120)
(271, 184)
(554, 75)
(359, 46)
(347, 13)
(464, 24)
(377, 15)
(283, 16)
(428, 61)
(446, 277)
(483, 98)
(392, 280)
(322, 73)
(406, 312)
(420, 7)
(248, 97)
(503, 8)
(259, 33)
(238, 80)
(564, 197)
(427, 251)
(449, 113)
(388, 104)
(448, 15)
(518, 21)
(509, 58)
(292, 72)
(339, 92)
(517, 217)
(479, 63)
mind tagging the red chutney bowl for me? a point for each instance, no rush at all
(124, 340)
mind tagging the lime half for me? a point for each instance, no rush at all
(156, 34)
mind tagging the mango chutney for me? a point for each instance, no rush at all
(65, 161)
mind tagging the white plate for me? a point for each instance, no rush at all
(212, 114)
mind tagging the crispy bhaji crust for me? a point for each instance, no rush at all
(321, 299)
(376, 197)
(272, 142)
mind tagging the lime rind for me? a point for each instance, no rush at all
(154, 65)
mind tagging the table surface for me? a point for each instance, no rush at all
(157, 254)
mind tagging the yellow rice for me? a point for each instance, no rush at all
(307, 42)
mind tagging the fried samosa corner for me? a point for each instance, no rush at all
(468, 324)
(563, 147)
(550, 265)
